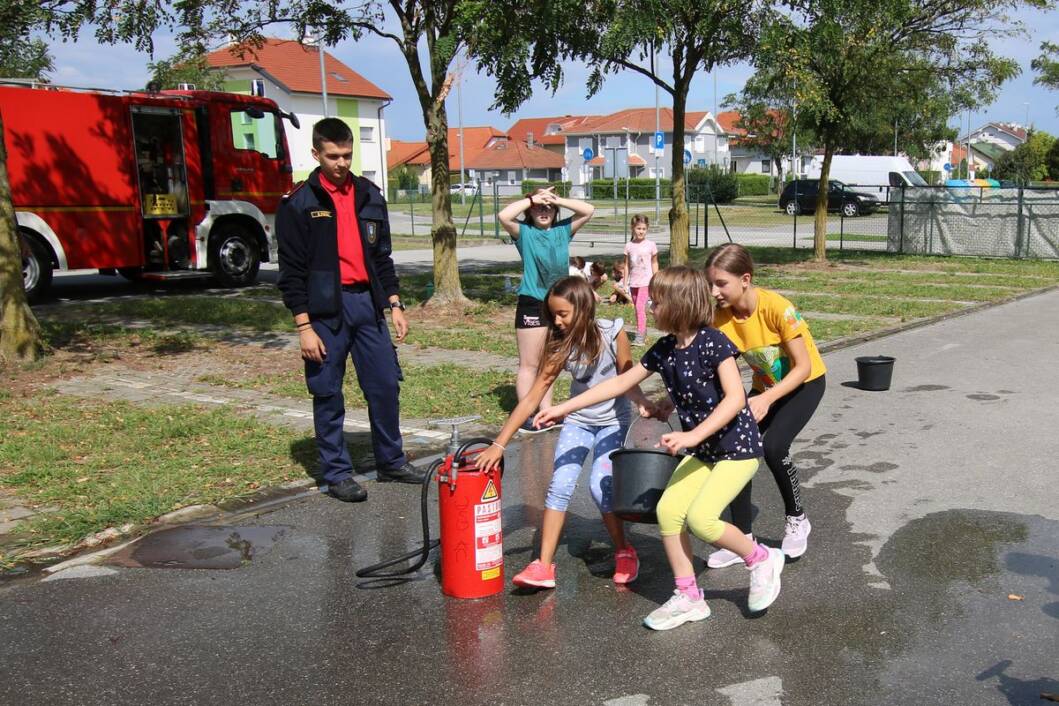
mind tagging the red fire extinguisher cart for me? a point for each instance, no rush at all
(472, 547)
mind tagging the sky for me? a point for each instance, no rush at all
(89, 64)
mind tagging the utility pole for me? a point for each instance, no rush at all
(658, 128)
(715, 115)
(460, 64)
(895, 137)
(323, 72)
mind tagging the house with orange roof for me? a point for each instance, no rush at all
(289, 73)
(622, 144)
(490, 156)
(547, 132)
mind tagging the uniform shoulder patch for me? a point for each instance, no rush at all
(294, 190)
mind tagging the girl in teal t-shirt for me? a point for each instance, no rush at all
(543, 241)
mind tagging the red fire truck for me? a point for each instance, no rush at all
(166, 185)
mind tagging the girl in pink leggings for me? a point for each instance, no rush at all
(641, 262)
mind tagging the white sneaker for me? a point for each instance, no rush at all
(765, 581)
(676, 611)
(796, 535)
(722, 557)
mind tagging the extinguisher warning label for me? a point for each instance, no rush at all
(488, 540)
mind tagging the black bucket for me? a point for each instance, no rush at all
(640, 477)
(874, 372)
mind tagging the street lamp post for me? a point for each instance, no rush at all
(323, 73)
(658, 128)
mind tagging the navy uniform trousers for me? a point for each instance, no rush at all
(362, 334)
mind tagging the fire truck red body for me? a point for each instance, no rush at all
(155, 185)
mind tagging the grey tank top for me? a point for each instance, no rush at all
(608, 412)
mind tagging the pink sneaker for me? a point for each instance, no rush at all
(626, 565)
(536, 575)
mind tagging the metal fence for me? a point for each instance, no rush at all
(936, 220)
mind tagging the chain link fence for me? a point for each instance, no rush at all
(935, 220)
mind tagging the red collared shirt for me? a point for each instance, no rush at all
(350, 248)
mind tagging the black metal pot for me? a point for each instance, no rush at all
(640, 477)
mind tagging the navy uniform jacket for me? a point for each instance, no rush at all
(307, 231)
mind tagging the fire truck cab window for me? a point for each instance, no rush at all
(255, 131)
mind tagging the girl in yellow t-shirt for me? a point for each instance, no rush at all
(787, 388)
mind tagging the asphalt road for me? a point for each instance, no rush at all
(932, 575)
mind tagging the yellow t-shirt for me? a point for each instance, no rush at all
(758, 337)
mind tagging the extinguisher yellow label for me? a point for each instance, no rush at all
(490, 492)
(491, 574)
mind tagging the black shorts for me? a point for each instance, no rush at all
(529, 313)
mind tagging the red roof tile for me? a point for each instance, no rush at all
(639, 120)
(407, 153)
(297, 67)
(539, 126)
(515, 154)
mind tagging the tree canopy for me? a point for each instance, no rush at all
(519, 42)
(854, 66)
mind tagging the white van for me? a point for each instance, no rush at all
(869, 174)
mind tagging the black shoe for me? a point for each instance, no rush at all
(348, 491)
(405, 474)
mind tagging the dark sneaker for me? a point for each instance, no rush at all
(405, 474)
(527, 427)
(348, 491)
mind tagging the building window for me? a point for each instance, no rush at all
(257, 87)
(367, 134)
(766, 166)
(734, 168)
(700, 143)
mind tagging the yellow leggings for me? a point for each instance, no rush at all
(698, 493)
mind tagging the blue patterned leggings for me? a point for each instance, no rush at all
(571, 450)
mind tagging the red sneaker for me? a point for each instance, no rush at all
(626, 565)
(536, 575)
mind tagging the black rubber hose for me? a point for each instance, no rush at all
(375, 570)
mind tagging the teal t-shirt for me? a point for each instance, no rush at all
(545, 256)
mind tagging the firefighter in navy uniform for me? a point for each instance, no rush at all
(338, 279)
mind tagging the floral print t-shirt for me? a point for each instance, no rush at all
(690, 376)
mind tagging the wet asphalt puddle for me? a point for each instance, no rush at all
(199, 547)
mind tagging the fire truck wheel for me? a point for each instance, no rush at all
(234, 256)
(36, 267)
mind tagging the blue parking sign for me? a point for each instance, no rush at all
(588, 154)
(660, 140)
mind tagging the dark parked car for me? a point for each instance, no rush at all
(840, 197)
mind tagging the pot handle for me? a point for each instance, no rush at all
(632, 424)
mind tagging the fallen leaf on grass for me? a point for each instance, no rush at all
(83, 479)
(1014, 597)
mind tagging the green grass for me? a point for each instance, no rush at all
(828, 329)
(107, 464)
(83, 335)
(853, 238)
(428, 391)
(864, 306)
(239, 312)
(886, 286)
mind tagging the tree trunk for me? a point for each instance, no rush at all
(679, 232)
(820, 220)
(447, 287)
(19, 331)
